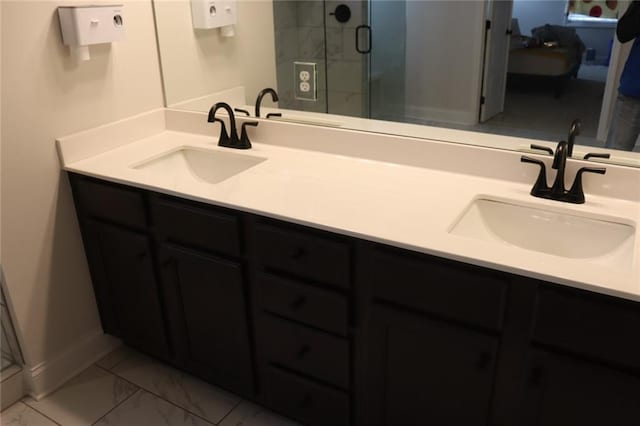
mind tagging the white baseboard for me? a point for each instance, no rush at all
(47, 376)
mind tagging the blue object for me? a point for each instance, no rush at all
(629, 82)
(609, 54)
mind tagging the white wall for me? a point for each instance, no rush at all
(444, 60)
(196, 63)
(534, 13)
(45, 95)
(598, 39)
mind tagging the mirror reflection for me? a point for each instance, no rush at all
(520, 68)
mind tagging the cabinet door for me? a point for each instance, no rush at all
(419, 371)
(563, 390)
(123, 274)
(205, 297)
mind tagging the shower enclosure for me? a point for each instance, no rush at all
(422, 62)
(336, 36)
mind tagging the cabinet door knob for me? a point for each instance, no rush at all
(298, 303)
(299, 253)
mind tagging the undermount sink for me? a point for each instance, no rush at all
(561, 234)
(188, 164)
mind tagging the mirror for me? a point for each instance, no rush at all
(514, 70)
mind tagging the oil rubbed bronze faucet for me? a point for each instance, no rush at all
(558, 192)
(274, 98)
(230, 140)
(574, 130)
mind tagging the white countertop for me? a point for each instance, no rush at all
(397, 204)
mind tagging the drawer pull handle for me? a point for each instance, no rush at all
(298, 303)
(299, 253)
(303, 352)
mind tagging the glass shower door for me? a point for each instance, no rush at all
(347, 57)
(322, 33)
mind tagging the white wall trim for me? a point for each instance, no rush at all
(47, 376)
(619, 55)
(618, 59)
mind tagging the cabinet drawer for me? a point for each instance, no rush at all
(451, 290)
(307, 351)
(201, 227)
(110, 202)
(587, 324)
(303, 254)
(305, 401)
(319, 308)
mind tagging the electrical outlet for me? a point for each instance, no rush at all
(306, 78)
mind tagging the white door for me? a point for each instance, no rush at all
(496, 57)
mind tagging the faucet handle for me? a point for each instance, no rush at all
(596, 155)
(540, 188)
(542, 148)
(243, 111)
(245, 143)
(576, 193)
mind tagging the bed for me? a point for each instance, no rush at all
(554, 52)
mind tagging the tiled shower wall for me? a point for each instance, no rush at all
(306, 32)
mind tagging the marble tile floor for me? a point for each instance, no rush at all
(126, 388)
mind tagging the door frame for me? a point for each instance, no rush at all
(488, 36)
(619, 54)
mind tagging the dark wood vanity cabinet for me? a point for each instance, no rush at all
(121, 261)
(583, 360)
(126, 288)
(447, 343)
(567, 390)
(329, 329)
(205, 291)
(169, 279)
(430, 339)
(207, 316)
(422, 371)
(301, 293)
